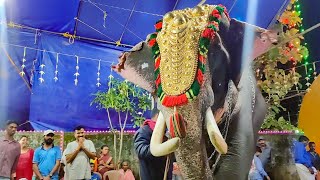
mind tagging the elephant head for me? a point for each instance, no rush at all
(188, 64)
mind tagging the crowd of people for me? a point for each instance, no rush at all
(80, 160)
(307, 162)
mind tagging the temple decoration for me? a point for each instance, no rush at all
(184, 37)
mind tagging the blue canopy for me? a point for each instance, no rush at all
(50, 94)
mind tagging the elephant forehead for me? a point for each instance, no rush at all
(179, 45)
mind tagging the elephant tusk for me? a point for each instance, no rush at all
(158, 148)
(214, 133)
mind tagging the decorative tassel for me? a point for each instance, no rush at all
(41, 72)
(23, 66)
(314, 71)
(56, 71)
(98, 75)
(77, 72)
(170, 101)
(307, 78)
(104, 18)
(177, 125)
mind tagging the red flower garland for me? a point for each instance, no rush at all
(208, 33)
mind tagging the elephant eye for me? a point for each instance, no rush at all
(137, 47)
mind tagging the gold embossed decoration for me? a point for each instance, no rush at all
(180, 47)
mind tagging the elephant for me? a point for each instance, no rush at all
(224, 85)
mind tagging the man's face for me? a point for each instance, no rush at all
(11, 129)
(48, 139)
(312, 147)
(92, 167)
(105, 151)
(305, 143)
(262, 143)
(79, 133)
(125, 165)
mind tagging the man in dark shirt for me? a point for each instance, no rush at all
(315, 159)
(151, 168)
(265, 156)
(302, 159)
(9, 152)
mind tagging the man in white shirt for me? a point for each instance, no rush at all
(77, 156)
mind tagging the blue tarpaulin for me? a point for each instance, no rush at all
(35, 25)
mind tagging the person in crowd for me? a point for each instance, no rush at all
(105, 161)
(9, 152)
(77, 156)
(315, 158)
(125, 171)
(94, 175)
(302, 159)
(24, 168)
(151, 167)
(265, 156)
(256, 171)
(46, 159)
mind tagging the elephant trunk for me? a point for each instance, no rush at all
(191, 154)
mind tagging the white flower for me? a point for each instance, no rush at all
(41, 80)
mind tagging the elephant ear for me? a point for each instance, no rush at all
(137, 66)
(219, 61)
(233, 39)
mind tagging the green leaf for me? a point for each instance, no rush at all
(274, 54)
(275, 109)
(123, 96)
